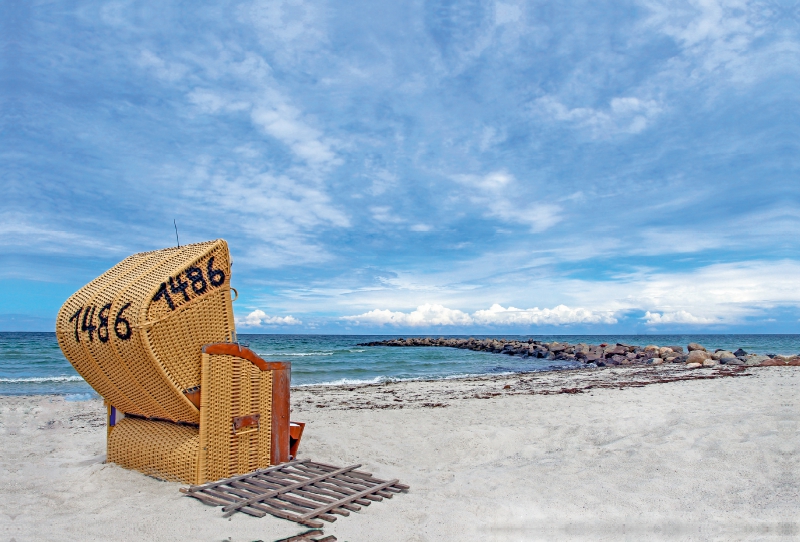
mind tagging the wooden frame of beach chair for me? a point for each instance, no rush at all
(155, 337)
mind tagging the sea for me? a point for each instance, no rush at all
(32, 363)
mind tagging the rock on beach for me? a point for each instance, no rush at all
(602, 355)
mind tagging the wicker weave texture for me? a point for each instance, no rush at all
(135, 333)
(233, 387)
(165, 450)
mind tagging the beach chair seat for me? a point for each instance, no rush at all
(155, 337)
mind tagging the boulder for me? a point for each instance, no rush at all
(656, 361)
(678, 349)
(722, 354)
(666, 351)
(732, 361)
(710, 363)
(651, 348)
(754, 359)
(698, 356)
(556, 347)
(695, 346)
(693, 365)
(740, 353)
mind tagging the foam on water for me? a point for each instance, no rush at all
(43, 379)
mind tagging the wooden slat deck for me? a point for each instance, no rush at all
(303, 491)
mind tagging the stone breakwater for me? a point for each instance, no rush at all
(603, 355)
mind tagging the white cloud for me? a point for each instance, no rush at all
(623, 115)
(291, 28)
(425, 315)
(720, 294)
(210, 102)
(382, 180)
(491, 192)
(170, 71)
(284, 122)
(438, 315)
(677, 317)
(556, 316)
(728, 41)
(259, 318)
(383, 213)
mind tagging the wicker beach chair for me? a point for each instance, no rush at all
(155, 337)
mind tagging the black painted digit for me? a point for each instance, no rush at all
(162, 292)
(88, 327)
(119, 320)
(76, 317)
(195, 275)
(178, 286)
(102, 326)
(215, 276)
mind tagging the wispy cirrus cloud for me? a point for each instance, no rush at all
(495, 192)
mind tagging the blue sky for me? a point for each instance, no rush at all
(413, 167)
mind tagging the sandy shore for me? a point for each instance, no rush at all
(609, 454)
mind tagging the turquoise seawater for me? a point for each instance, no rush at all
(32, 363)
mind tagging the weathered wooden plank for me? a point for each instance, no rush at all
(356, 483)
(208, 499)
(310, 505)
(358, 473)
(307, 537)
(233, 507)
(355, 473)
(328, 507)
(317, 493)
(303, 537)
(278, 513)
(347, 485)
(353, 480)
(210, 485)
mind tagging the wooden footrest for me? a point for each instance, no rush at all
(303, 491)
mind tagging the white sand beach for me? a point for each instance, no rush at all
(607, 454)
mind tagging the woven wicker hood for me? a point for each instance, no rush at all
(135, 333)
